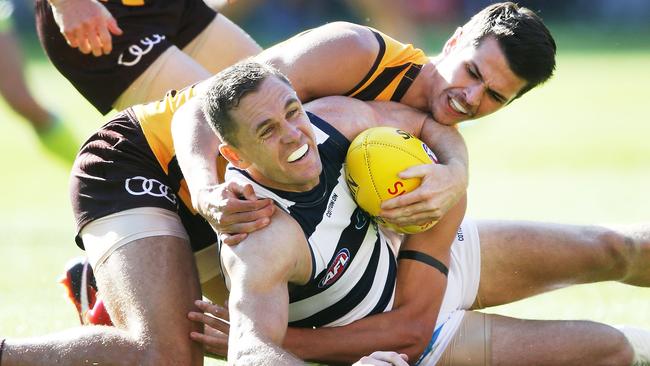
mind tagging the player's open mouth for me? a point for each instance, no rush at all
(298, 154)
(457, 106)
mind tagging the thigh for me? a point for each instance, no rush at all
(102, 79)
(221, 44)
(556, 342)
(522, 259)
(116, 171)
(489, 339)
(470, 341)
(101, 237)
(173, 69)
(148, 287)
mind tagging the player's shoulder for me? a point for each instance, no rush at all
(345, 114)
(359, 38)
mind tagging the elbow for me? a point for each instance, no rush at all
(415, 338)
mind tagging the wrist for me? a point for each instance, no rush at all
(460, 171)
(292, 343)
(197, 195)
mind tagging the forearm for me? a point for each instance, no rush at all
(259, 297)
(386, 331)
(263, 352)
(197, 149)
(255, 330)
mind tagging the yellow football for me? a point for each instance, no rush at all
(374, 159)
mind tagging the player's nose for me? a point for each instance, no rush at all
(473, 96)
(291, 133)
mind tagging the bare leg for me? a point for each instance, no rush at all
(220, 45)
(224, 38)
(14, 88)
(487, 339)
(547, 342)
(148, 287)
(53, 135)
(521, 259)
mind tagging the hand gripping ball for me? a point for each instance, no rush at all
(374, 159)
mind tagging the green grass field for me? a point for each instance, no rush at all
(574, 151)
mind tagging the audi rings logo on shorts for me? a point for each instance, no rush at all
(139, 186)
(136, 51)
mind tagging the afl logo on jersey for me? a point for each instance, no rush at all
(336, 269)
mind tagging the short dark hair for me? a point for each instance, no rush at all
(226, 90)
(525, 41)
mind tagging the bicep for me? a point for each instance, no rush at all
(328, 60)
(260, 269)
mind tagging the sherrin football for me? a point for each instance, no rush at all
(374, 159)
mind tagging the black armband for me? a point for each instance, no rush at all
(424, 258)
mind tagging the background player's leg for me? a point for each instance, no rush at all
(14, 88)
(52, 133)
(221, 44)
(521, 259)
(148, 287)
(173, 69)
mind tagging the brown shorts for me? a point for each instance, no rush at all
(148, 31)
(117, 171)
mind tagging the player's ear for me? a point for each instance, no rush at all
(233, 156)
(453, 41)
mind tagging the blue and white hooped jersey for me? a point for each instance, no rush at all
(353, 264)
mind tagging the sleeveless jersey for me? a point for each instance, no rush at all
(353, 265)
(393, 71)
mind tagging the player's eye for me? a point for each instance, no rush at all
(292, 113)
(496, 97)
(266, 133)
(471, 72)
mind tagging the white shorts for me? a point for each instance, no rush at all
(103, 236)
(462, 289)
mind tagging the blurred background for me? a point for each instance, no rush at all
(575, 150)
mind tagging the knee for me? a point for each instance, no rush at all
(154, 349)
(620, 351)
(616, 250)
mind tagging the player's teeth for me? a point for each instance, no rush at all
(298, 153)
(457, 106)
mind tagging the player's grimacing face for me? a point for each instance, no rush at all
(276, 138)
(472, 82)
